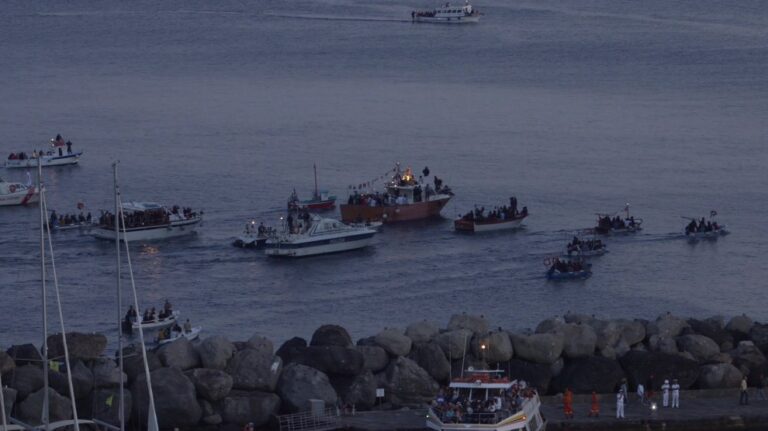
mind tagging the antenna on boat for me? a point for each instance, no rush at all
(2, 405)
(464, 356)
(44, 348)
(314, 165)
(121, 401)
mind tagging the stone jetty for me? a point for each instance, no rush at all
(220, 382)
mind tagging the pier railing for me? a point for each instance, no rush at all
(327, 419)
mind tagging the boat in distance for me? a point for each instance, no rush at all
(56, 156)
(17, 194)
(147, 221)
(404, 199)
(705, 229)
(321, 200)
(448, 14)
(315, 236)
(485, 400)
(500, 218)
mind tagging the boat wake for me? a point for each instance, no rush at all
(336, 17)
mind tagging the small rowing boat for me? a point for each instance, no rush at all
(448, 14)
(503, 218)
(190, 335)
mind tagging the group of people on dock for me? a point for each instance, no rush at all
(69, 219)
(57, 142)
(701, 226)
(453, 407)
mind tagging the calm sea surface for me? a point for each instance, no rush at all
(576, 107)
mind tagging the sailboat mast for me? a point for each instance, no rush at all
(44, 350)
(317, 195)
(121, 405)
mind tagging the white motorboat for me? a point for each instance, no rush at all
(448, 14)
(254, 236)
(608, 224)
(17, 193)
(500, 404)
(146, 221)
(715, 233)
(158, 323)
(59, 154)
(175, 335)
(315, 235)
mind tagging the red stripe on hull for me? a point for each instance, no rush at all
(394, 213)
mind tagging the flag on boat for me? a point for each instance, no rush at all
(109, 400)
(54, 366)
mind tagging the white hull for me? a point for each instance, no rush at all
(491, 227)
(45, 161)
(707, 235)
(173, 230)
(157, 324)
(191, 335)
(453, 20)
(18, 199)
(314, 250)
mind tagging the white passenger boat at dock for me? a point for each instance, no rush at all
(59, 154)
(17, 194)
(147, 221)
(448, 14)
(315, 235)
(485, 400)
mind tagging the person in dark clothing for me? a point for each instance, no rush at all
(69, 147)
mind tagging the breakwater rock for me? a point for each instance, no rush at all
(217, 381)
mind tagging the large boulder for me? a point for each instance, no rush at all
(493, 347)
(632, 331)
(26, 379)
(106, 373)
(549, 325)
(80, 346)
(407, 384)
(359, 391)
(394, 342)
(6, 363)
(739, 326)
(663, 344)
(260, 343)
(24, 354)
(594, 373)
(748, 358)
(571, 317)
(431, 358)
(701, 347)
(333, 359)
(175, 398)
(536, 375)
(254, 370)
(639, 365)
(667, 325)
(180, 354)
(456, 343)
(292, 349)
(374, 358)
(133, 362)
(215, 352)
(30, 410)
(608, 333)
(244, 407)
(211, 384)
(540, 348)
(82, 380)
(104, 404)
(759, 335)
(578, 340)
(717, 376)
(476, 324)
(299, 383)
(9, 399)
(331, 335)
(713, 328)
(422, 332)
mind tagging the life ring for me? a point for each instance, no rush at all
(12, 188)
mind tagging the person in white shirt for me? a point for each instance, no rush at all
(665, 393)
(641, 393)
(675, 394)
(620, 405)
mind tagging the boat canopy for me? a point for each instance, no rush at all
(142, 206)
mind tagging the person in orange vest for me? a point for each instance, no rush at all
(594, 411)
(568, 403)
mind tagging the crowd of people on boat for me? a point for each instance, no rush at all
(578, 245)
(136, 219)
(566, 266)
(502, 213)
(57, 142)
(701, 226)
(454, 407)
(61, 220)
(174, 331)
(394, 196)
(608, 223)
(150, 315)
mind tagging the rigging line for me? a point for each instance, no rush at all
(152, 418)
(61, 317)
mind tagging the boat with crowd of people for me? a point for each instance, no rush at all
(567, 269)
(146, 221)
(499, 218)
(311, 235)
(448, 14)
(58, 154)
(608, 224)
(254, 236)
(12, 193)
(486, 400)
(405, 198)
(585, 248)
(705, 229)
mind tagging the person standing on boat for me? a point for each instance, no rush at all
(187, 327)
(167, 307)
(69, 147)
